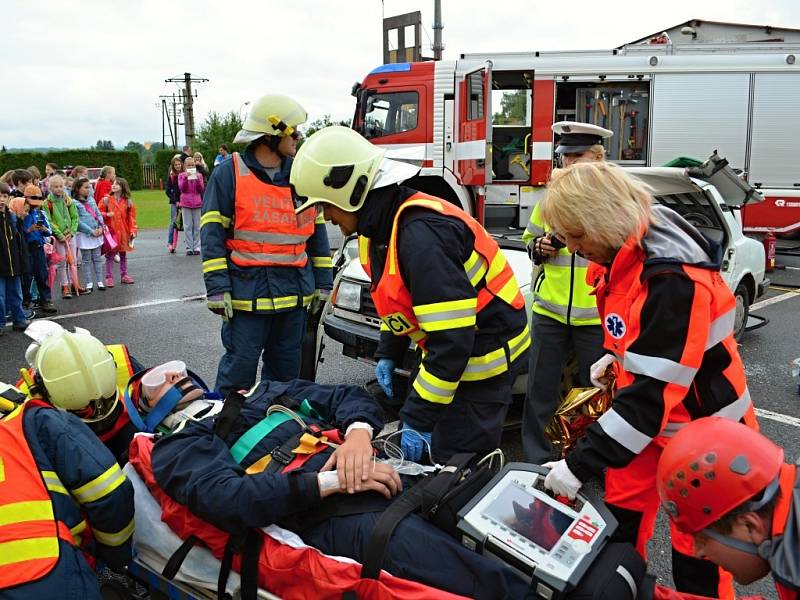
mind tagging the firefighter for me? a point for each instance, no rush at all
(438, 278)
(262, 265)
(565, 320)
(61, 491)
(728, 487)
(667, 319)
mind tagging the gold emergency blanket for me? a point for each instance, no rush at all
(580, 408)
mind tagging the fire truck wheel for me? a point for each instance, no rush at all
(742, 295)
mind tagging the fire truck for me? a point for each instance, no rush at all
(480, 129)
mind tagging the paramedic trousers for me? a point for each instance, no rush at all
(632, 498)
(418, 550)
(276, 338)
(552, 344)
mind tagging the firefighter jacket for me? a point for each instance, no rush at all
(61, 493)
(783, 550)
(668, 317)
(196, 467)
(441, 280)
(253, 245)
(560, 290)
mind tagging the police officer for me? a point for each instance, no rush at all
(437, 278)
(262, 264)
(565, 319)
(61, 491)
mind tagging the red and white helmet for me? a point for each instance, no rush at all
(712, 466)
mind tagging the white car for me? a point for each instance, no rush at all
(708, 196)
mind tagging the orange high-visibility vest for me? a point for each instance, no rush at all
(783, 507)
(266, 231)
(486, 263)
(29, 531)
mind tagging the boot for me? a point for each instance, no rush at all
(48, 307)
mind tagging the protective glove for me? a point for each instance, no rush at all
(598, 370)
(412, 443)
(561, 480)
(318, 301)
(220, 304)
(383, 373)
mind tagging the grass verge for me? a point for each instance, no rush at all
(152, 209)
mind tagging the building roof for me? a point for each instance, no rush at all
(769, 32)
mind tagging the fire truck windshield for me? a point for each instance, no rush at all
(387, 113)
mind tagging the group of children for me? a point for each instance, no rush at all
(47, 226)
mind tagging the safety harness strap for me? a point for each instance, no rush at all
(173, 565)
(230, 412)
(255, 434)
(249, 545)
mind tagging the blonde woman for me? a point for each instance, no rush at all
(667, 318)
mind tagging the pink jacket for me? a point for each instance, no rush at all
(191, 190)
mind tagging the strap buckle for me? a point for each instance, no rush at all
(282, 456)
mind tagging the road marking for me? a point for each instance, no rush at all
(780, 418)
(127, 307)
(773, 300)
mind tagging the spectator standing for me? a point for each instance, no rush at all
(49, 169)
(201, 166)
(90, 234)
(191, 184)
(223, 154)
(10, 272)
(20, 178)
(37, 231)
(119, 214)
(62, 214)
(186, 152)
(107, 176)
(174, 196)
(81, 171)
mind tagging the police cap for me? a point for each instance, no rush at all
(578, 137)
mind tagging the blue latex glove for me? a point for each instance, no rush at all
(412, 443)
(383, 373)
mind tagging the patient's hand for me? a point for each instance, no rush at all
(383, 479)
(352, 460)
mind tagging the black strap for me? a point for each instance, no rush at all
(282, 455)
(229, 414)
(445, 480)
(175, 561)
(249, 566)
(231, 547)
(408, 502)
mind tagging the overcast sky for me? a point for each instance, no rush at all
(85, 70)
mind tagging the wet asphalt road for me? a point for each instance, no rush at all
(161, 318)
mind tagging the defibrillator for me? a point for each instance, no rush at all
(516, 521)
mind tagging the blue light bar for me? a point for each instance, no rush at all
(391, 68)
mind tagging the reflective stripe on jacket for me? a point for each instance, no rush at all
(490, 276)
(29, 531)
(561, 291)
(266, 231)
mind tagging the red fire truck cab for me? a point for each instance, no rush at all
(480, 126)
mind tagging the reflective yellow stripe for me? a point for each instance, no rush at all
(494, 363)
(320, 219)
(214, 216)
(321, 262)
(21, 512)
(519, 343)
(245, 305)
(30, 549)
(475, 267)
(451, 314)
(307, 299)
(78, 529)
(280, 303)
(509, 291)
(116, 538)
(100, 486)
(363, 249)
(433, 389)
(53, 483)
(214, 264)
(384, 327)
(417, 335)
(497, 266)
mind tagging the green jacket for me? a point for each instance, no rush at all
(63, 219)
(560, 290)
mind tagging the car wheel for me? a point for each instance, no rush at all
(742, 296)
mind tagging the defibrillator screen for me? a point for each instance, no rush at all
(531, 517)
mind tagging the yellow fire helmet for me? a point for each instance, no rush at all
(273, 114)
(77, 370)
(337, 166)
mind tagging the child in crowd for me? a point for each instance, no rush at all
(62, 213)
(103, 188)
(174, 195)
(37, 232)
(90, 234)
(119, 214)
(10, 271)
(20, 178)
(191, 184)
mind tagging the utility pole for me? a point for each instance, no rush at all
(188, 102)
(438, 47)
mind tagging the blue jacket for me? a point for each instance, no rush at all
(250, 284)
(195, 467)
(36, 237)
(86, 222)
(86, 485)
